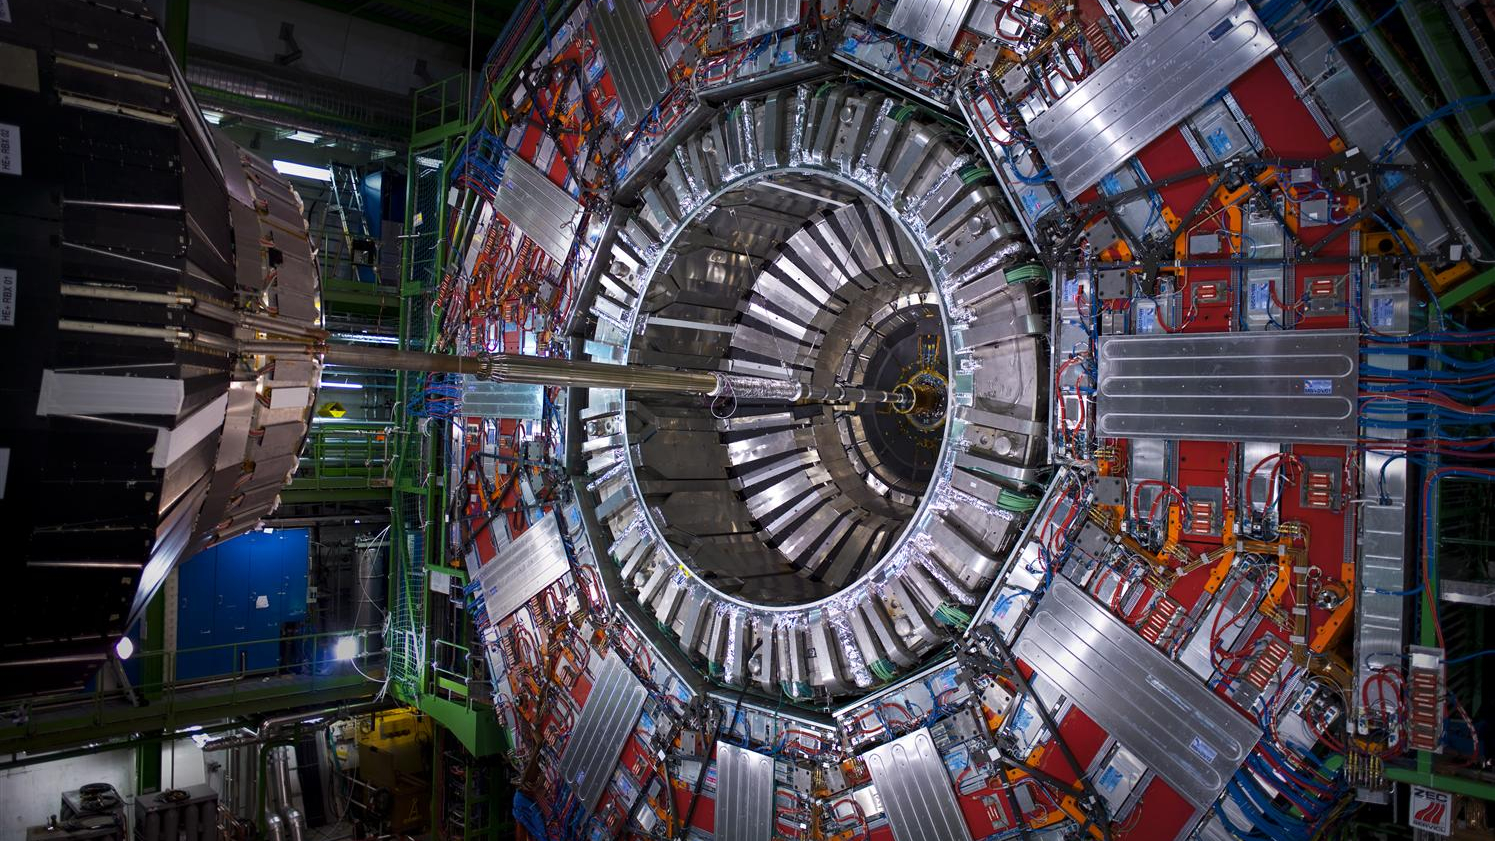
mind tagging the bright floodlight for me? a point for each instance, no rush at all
(346, 648)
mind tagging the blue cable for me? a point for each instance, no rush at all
(1394, 146)
(1467, 657)
(1041, 177)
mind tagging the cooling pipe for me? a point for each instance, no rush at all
(269, 726)
(578, 373)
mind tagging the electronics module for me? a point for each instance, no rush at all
(1161, 560)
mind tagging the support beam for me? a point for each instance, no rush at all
(153, 653)
(358, 297)
(437, 12)
(1476, 285)
(1442, 782)
(152, 647)
(556, 371)
(148, 764)
(449, 15)
(175, 29)
(297, 496)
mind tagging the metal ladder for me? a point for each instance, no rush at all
(347, 198)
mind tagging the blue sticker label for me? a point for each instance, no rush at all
(1030, 203)
(1258, 298)
(1219, 142)
(1022, 718)
(1318, 386)
(1147, 317)
(850, 46)
(1108, 781)
(1205, 752)
(1110, 185)
(1071, 289)
(1382, 311)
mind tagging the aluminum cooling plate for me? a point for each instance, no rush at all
(1160, 711)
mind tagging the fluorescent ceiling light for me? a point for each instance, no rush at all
(212, 117)
(366, 338)
(303, 136)
(429, 163)
(291, 168)
(326, 384)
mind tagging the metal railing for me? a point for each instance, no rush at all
(440, 103)
(314, 666)
(347, 454)
(452, 662)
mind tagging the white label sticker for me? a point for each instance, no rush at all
(5, 10)
(10, 147)
(1431, 810)
(7, 297)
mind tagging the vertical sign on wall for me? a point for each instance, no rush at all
(1430, 810)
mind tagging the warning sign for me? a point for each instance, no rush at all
(332, 410)
(1430, 810)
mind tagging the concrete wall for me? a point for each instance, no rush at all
(29, 795)
(332, 44)
(181, 764)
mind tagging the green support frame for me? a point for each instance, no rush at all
(1464, 140)
(439, 127)
(102, 717)
(1469, 150)
(1426, 773)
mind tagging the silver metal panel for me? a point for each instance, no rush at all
(1189, 735)
(1268, 386)
(761, 17)
(915, 789)
(1467, 592)
(523, 568)
(932, 22)
(1196, 656)
(1176, 66)
(1360, 120)
(96, 394)
(1140, 15)
(537, 206)
(485, 399)
(744, 794)
(597, 739)
(1380, 612)
(631, 57)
